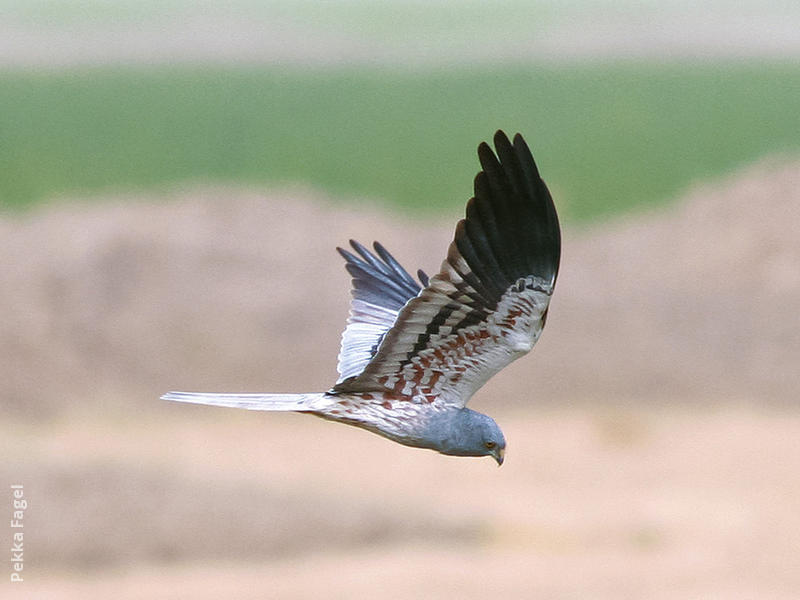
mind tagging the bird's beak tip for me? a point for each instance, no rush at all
(500, 457)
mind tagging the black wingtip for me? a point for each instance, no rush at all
(524, 153)
(485, 154)
(382, 252)
(380, 279)
(518, 221)
(501, 139)
(360, 249)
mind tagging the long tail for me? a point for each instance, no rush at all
(280, 402)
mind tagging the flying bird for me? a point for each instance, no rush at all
(414, 352)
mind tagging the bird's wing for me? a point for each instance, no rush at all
(381, 287)
(488, 304)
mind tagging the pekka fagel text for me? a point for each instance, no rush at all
(19, 504)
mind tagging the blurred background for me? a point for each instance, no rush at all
(174, 177)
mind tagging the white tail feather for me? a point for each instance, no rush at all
(279, 402)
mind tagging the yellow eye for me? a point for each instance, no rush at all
(490, 445)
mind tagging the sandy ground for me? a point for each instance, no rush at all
(623, 503)
(652, 434)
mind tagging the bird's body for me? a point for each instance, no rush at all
(409, 420)
(412, 356)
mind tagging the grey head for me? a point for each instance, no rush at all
(465, 432)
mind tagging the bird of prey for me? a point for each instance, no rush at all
(414, 353)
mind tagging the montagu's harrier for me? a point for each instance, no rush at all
(413, 354)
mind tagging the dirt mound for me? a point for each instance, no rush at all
(110, 304)
(117, 302)
(700, 300)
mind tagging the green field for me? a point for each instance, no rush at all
(608, 138)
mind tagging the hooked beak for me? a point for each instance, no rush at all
(499, 455)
